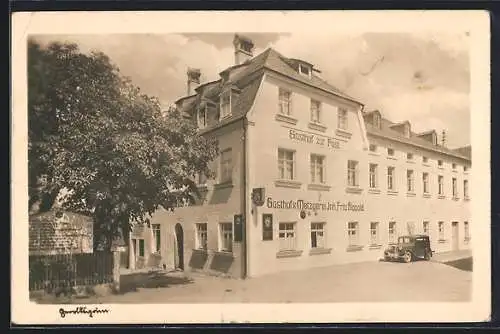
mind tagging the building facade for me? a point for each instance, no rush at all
(305, 177)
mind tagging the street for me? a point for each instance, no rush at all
(360, 282)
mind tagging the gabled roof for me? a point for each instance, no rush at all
(386, 131)
(466, 151)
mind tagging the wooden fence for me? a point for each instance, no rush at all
(66, 270)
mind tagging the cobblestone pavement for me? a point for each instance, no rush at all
(359, 282)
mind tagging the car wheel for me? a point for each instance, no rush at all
(407, 257)
(427, 256)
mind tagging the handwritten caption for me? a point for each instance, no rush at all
(82, 310)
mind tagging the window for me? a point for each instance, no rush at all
(305, 70)
(285, 102)
(315, 111)
(466, 189)
(425, 160)
(226, 237)
(352, 173)
(425, 228)
(373, 148)
(454, 166)
(141, 247)
(376, 120)
(201, 236)
(466, 168)
(317, 168)
(202, 117)
(454, 187)
(226, 166)
(318, 235)
(466, 231)
(353, 233)
(342, 118)
(410, 228)
(374, 235)
(440, 185)
(287, 238)
(407, 130)
(409, 181)
(440, 163)
(373, 176)
(441, 230)
(225, 104)
(157, 237)
(425, 182)
(286, 164)
(409, 156)
(390, 178)
(390, 152)
(392, 232)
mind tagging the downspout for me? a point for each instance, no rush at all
(245, 186)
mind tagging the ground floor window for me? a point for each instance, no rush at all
(157, 237)
(410, 227)
(226, 237)
(201, 236)
(287, 236)
(141, 247)
(425, 228)
(318, 235)
(392, 232)
(353, 233)
(441, 230)
(374, 234)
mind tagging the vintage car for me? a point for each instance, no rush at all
(409, 248)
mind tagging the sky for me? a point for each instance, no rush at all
(423, 78)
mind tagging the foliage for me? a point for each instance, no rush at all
(93, 132)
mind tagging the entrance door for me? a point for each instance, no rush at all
(454, 235)
(179, 236)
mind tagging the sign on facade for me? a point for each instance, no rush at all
(315, 206)
(267, 226)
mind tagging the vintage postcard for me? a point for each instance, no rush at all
(250, 167)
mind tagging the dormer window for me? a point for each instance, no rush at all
(202, 117)
(225, 104)
(376, 120)
(407, 131)
(305, 70)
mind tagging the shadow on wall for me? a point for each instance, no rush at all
(132, 282)
(220, 196)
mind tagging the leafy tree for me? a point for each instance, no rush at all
(93, 132)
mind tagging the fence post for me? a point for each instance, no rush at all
(116, 270)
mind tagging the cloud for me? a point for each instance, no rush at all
(423, 77)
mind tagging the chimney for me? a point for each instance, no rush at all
(193, 79)
(243, 49)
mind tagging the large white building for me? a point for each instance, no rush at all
(338, 183)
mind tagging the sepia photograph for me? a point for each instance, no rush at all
(252, 165)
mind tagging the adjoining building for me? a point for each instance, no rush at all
(305, 177)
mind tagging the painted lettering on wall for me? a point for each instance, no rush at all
(310, 138)
(315, 206)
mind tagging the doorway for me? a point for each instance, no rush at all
(454, 235)
(179, 238)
